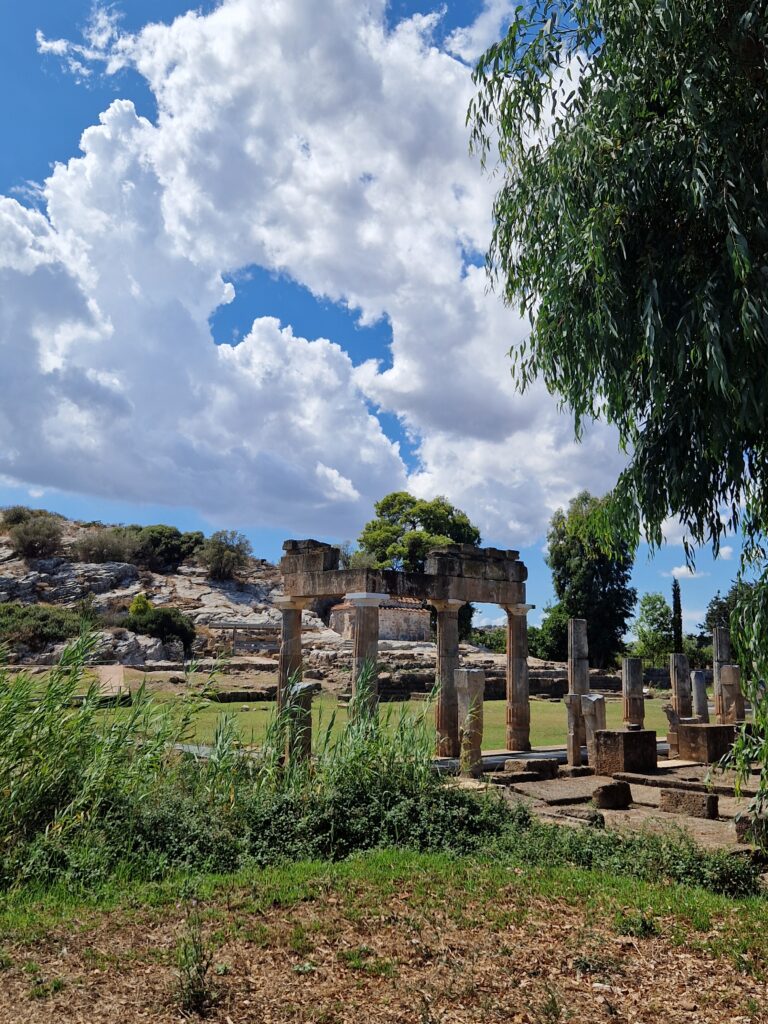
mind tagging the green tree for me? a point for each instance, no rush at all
(590, 583)
(653, 629)
(550, 642)
(404, 530)
(225, 553)
(632, 225)
(677, 617)
(720, 609)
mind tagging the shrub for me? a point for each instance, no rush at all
(37, 625)
(224, 553)
(114, 544)
(16, 514)
(36, 537)
(162, 623)
(163, 548)
(491, 639)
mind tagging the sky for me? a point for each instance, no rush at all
(241, 279)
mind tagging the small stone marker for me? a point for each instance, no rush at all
(613, 796)
(694, 805)
(470, 688)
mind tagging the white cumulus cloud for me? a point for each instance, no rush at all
(315, 141)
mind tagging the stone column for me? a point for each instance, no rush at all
(470, 690)
(447, 710)
(518, 697)
(365, 641)
(297, 700)
(632, 691)
(700, 699)
(593, 713)
(721, 655)
(289, 667)
(732, 697)
(578, 685)
(680, 677)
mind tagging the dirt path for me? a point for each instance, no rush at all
(411, 956)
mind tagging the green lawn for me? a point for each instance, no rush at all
(548, 720)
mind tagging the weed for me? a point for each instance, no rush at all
(6, 961)
(193, 964)
(636, 923)
(363, 958)
(299, 941)
(550, 1011)
(45, 989)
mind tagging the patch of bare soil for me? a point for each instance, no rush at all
(343, 958)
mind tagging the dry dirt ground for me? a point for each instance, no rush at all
(414, 953)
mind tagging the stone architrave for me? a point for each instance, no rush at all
(593, 714)
(700, 699)
(721, 655)
(365, 643)
(632, 691)
(732, 697)
(447, 710)
(289, 666)
(680, 678)
(518, 693)
(470, 689)
(297, 700)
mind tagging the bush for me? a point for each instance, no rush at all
(37, 625)
(36, 537)
(113, 544)
(162, 623)
(16, 514)
(224, 553)
(163, 548)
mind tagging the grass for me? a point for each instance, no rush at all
(548, 719)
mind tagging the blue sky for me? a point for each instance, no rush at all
(257, 215)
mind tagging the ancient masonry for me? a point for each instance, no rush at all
(454, 575)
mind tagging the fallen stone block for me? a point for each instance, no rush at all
(544, 767)
(694, 805)
(614, 796)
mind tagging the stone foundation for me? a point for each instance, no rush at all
(694, 805)
(706, 743)
(624, 751)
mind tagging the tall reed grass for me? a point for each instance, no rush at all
(88, 794)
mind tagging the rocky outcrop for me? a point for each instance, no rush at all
(57, 581)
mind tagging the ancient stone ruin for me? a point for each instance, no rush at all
(454, 575)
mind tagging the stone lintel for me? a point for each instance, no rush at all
(365, 599)
(338, 582)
